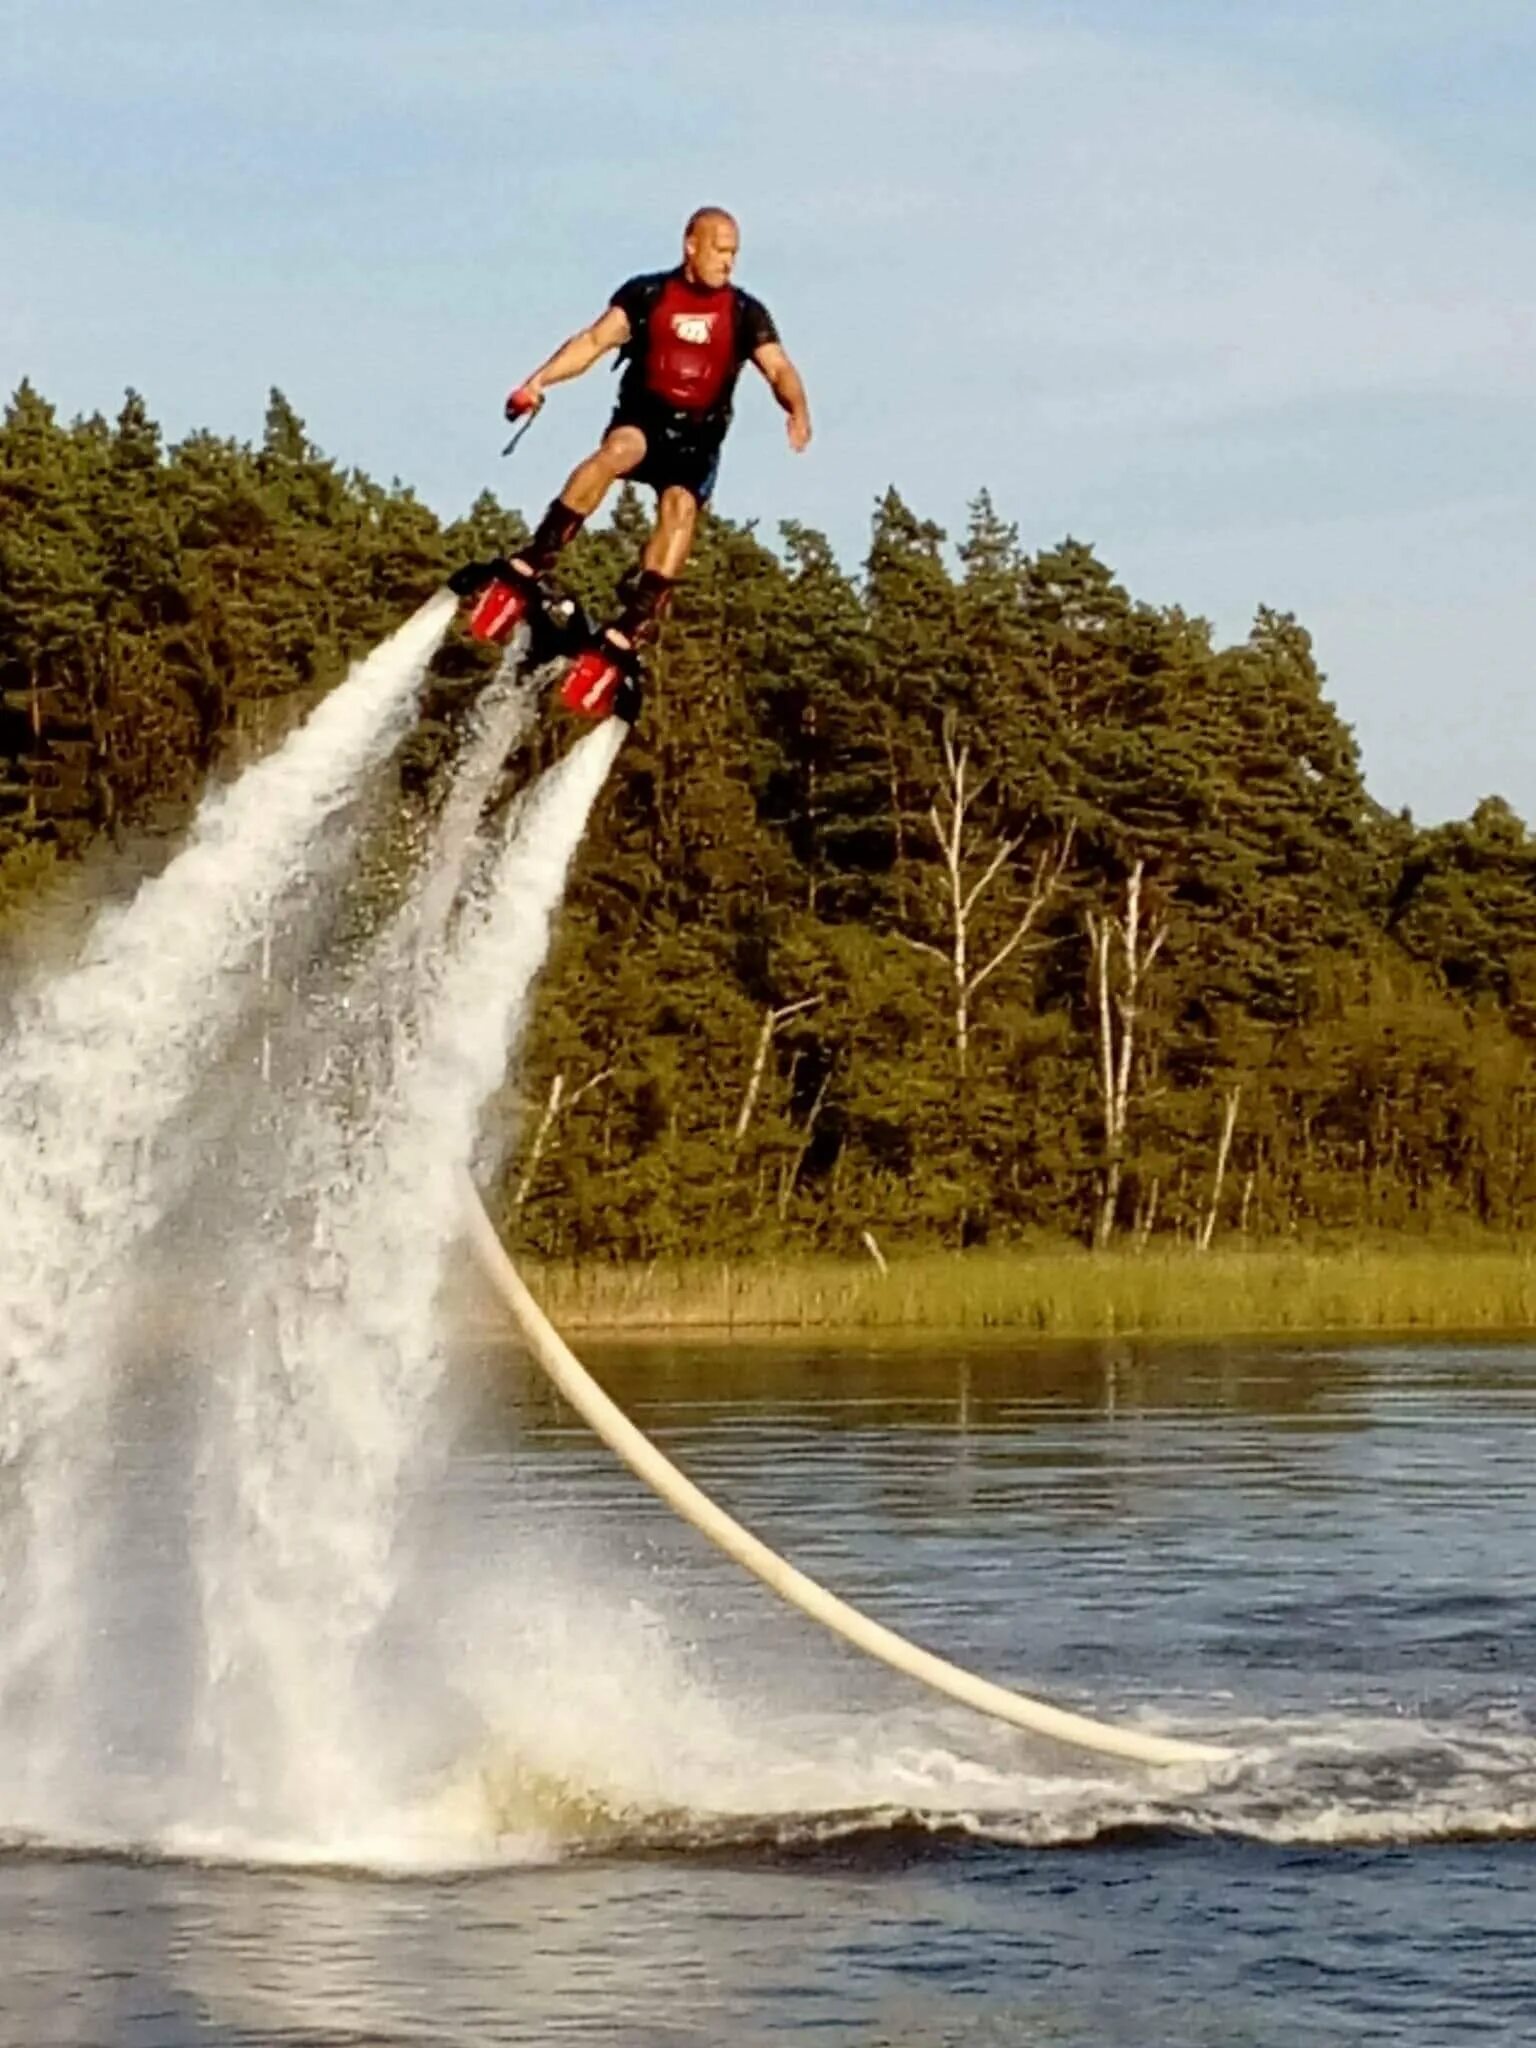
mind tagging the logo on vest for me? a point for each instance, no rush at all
(695, 327)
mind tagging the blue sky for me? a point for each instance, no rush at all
(1243, 292)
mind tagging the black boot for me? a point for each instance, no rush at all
(554, 532)
(646, 596)
(630, 694)
(473, 577)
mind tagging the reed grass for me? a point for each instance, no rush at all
(1065, 1292)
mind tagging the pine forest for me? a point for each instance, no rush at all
(961, 901)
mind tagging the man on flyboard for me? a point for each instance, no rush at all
(685, 335)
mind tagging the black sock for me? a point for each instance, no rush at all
(645, 600)
(556, 530)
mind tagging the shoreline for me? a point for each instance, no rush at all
(1473, 1289)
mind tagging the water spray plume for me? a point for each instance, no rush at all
(322, 1430)
(99, 1064)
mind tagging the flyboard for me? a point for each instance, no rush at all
(636, 1450)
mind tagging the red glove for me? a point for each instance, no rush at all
(522, 401)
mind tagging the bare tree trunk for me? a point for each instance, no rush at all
(540, 1137)
(772, 1019)
(1242, 1211)
(1109, 1190)
(755, 1078)
(1116, 976)
(1146, 1214)
(1228, 1125)
(555, 1102)
(950, 833)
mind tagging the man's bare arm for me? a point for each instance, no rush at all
(608, 332)
(784, 382)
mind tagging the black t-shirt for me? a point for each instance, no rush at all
(687, 343)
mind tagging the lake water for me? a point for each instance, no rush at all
(625, 1797)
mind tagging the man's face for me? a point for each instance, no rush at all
(710, 251)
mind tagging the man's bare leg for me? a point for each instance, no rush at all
(666, 554)
(677, 520)
(585, 489)
(590, 482)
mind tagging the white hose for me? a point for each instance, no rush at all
(637, 1451)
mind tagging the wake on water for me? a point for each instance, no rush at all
(289, 1168)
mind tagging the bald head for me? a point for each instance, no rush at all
(701, 214)
(710, 242)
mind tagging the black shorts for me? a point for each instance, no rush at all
(680, 447)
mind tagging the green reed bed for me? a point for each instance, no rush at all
(1064, 1293)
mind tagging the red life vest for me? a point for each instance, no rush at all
(691, 355)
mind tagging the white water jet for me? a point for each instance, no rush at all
(97, 1066)
(325, 1429)
(502, 718)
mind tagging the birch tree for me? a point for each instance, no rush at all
(556, 1102)
(773, 1017)
(1230, 1101)
(1122, 948)
(955, 832)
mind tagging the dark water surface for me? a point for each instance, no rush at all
(690, 1819)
